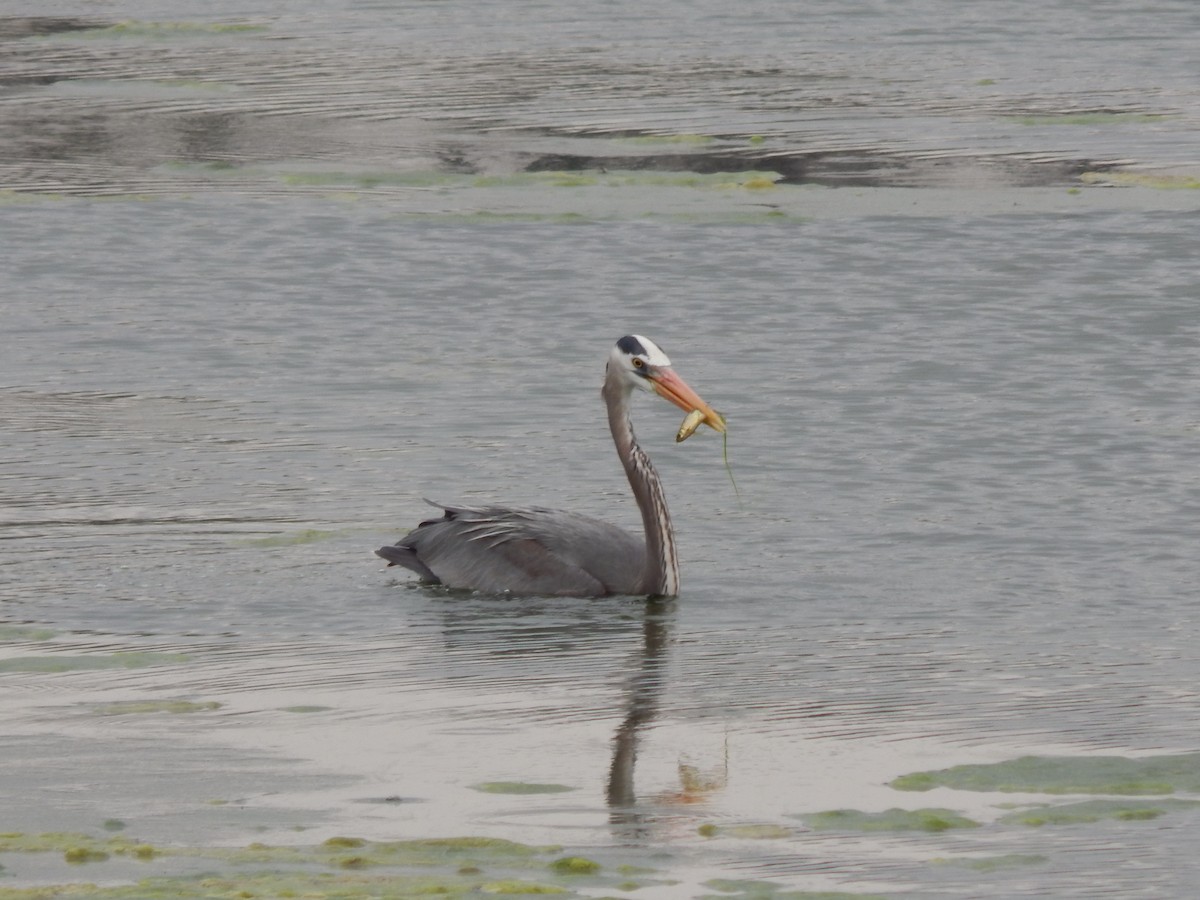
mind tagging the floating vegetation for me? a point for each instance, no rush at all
(691, 139)
(519, 888)
(348, 868)
(753, 832)
(1096, 811)
(67, 663)
(752, 179)
(134, 28)
(575, 865)
(994, 863)
(490, 217)
(10, 197)
(1162, 180)
(519, 787)
(1091, 118)
(369, 180)
(75, 847)
(1067, 775)
(142, 707)
(932, 820)
(305, 709)
(745, 889)
(80, 855)
(594, 177)
(307, 536)
(14, 633)
(310, 885)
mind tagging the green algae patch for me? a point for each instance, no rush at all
(307, 536)
(495, 846)
(1089, 811)
(340, 868)
(309, 885)
(145, 707)
(994, 863)
(750, 832)
(745, 889)
(574, 865)
(67, 663)
(161, 30)
(80, 855)
(742, 886)
(305, 709)
(520, 888)
(366, 180)
(519, 787)
(1166, 181)
(13, 633)
(930, 820)
(342, 842)
(1092, 118)
(348, 852)
(76, 847)
(630, 178)
(689, 139)
(1121, 775)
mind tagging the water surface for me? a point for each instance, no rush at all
(963, 427)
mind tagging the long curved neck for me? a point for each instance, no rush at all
(660, 572)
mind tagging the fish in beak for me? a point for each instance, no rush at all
(671, 387)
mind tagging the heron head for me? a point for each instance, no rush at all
(641, 363)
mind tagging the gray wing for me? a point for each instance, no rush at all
(521, 550)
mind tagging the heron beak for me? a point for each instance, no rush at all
(671, 387)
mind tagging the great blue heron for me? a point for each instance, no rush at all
(532, 550)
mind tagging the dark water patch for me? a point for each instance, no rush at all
(878, 167)
(29, 26)
(564, 109)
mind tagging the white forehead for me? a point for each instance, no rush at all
(637, 345)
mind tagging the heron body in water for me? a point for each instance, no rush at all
(532, 550)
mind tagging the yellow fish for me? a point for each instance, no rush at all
(691, 421)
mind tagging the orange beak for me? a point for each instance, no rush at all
(671, 387)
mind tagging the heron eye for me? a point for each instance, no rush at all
(637, 363)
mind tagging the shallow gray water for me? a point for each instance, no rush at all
(963, 427)
(966, 450)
